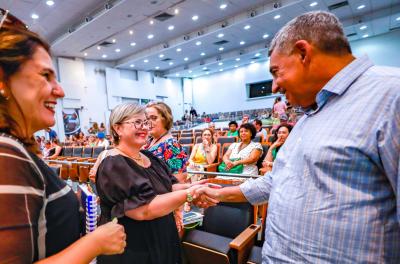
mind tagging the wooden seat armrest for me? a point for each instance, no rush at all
(245, 237)
(211, 167)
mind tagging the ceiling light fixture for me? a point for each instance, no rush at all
(194, 76)
(176, 11)
(221, 63)
(365, 36)
(186, 59)
(104, 56)
(223, 6)
(151, 22)
(190, 71)
(132, 65)
(360, 7)
(133, 44)
(178, 50)
(202, 54)
(363, 27)
(117, 50)
(177, 75)
(171, 63)
(195, 17)
(257, 54)
(236, 66)
(313, 4)
(85, 54)
(157, 67)
(204, 68)
(198, 43)
(208, 73)
(146, 61)
(161, 55)
(34, 16)
(221, 70)
(50, 2)
(398, 19)
(252, 62)
(265, 36)
(98, 48)
(221, 49)
(237, 59)
(247, 27)
(150, 36)
(114, 40)
(242, 42)
(171, 27)
(277, 16)
(220, 35)
(130, 32)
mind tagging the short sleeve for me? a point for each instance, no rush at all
(257, 145)
(175, 156)
(121, 187)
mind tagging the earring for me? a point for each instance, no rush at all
(3, 93)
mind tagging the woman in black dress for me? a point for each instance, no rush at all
(39, 213)
(139, 189)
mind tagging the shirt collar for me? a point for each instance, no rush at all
(341, 81)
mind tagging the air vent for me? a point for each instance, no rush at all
(338, 5)
(163, 16)
(351, 34)
(106, 44)
(166, 59)
(222, 42)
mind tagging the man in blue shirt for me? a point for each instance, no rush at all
(52, 133)
(334, 189)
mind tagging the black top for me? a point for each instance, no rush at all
(39, 213)
(123, 185)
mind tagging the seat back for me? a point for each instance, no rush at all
(97, 151)
(223, 150)
(87, 152)
(187, 148)
(77, 152)
(223, 140)
(257, 139)
(262, 157)
(185, 140)
(68, 151)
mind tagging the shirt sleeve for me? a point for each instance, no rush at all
(389, 145)
(257, 190)
(119, 185)
(175, 157)
(21, 199)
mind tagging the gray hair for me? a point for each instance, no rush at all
(122, 113)
(322, 29)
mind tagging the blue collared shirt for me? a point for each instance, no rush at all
(334, 190)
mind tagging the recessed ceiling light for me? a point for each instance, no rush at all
(133, 44)
(146, 61)
(204, 68)
(237, 59)
(151, 22)
(177, 74)
(257, 54)
(195, 17)
(198, 43)
(208, 73)
(313, 4)
(265, 36)
(34, 16)
(98, 48)
(221, 70)
(178, 50)
(130, 32)
(132, 65)
(114, 40)
(223, 6)
(161, 55)
(157, 67)
(171, 27)
(117, 50)
(365, 36)
(85, 54)
(190, 71)
(242, 42)
(277, 16)
(236, 66)
(398, 19)
(194, 76)
(50, 2)
(176, 11)
(363, 27)
(221, 49)
(251, 62)
(171, 63)
(360, 7)
(221, 63)
(202, 54)
(104, 56)
(220, 35)
(247, 27)
(150, 36)
(186, 59)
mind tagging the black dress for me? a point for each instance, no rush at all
(123, 185)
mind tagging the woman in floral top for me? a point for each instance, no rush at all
(163, 145)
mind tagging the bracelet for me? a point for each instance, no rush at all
(189, 197)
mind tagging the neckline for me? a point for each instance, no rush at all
(3, 134)
(155, 142)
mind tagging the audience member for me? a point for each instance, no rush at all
(52, 133)
(193, 113)
(260, 130)
(279, 106)
(102, 128)
(233, 132)
(245, 119)
(245, 153)
(101, 140)
(334, 190)
(92, 141)
(40, 218)
(204, 153)
(138, 188)
(94, 128)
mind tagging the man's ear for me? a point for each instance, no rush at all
(304, 49)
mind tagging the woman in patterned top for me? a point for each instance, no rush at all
(164, 146)
(39, 213)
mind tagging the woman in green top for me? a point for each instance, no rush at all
(280, 135)
(233, 129)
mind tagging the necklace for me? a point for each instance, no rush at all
(12, 137)
(140, 159)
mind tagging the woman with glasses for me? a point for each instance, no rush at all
(137, 187)
(39, 213)
(204, 153)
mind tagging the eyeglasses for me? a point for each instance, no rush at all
(6, 18)
(138, 123)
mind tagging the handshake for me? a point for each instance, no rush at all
(204, 194)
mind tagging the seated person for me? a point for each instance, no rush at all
(102, 141)
(280, 135)
(52, 149)
(92, 142)
(204, 153)
(245, 152)
(261, 132)
(233, 132)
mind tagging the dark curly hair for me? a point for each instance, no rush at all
(250, 127)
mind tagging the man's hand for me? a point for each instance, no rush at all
(207, 196)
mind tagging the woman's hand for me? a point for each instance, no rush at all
(279, 142)
(229, 165)
(110, 238)
(266, 163)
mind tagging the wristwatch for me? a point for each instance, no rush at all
(189, 197)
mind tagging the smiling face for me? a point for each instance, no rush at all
(157, 125)
(283, 133)
(132, 132)
(245, 134)
(35, 92)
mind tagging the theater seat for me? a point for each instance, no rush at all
(226, 236)
(255, 256)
